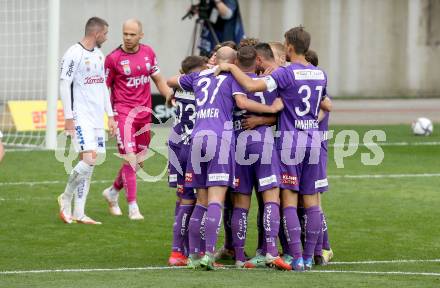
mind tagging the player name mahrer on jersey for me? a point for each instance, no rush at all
(208, 113)
(306, 124)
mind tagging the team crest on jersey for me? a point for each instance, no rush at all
(126, 66)
(87, 63)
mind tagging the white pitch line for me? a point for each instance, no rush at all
(57, 182)
(157, 268)
(378, 272)
(398, 261)
(366, 176)
(348, 176)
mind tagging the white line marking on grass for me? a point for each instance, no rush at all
(366, 176)
(385, 261)
(361, 176)
(157, 268)
(378, 272)
(427, 143)
(88, 270)
(57, 182)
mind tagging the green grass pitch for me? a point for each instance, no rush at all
(381, 219)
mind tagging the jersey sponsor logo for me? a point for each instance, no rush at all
(306, 124)
(70, 68)
(289, 179)
(100, 142)
(267, 220)
(154, 69)
(80, 136)
(180, 187)
(267, 180)
(242, 226)
(172, 178)
(236, 182)
(93, 80)
(321, 183)
(308, 74)
(136, 81)
(214, 177)
(188, 177)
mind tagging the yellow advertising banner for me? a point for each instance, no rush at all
(30, 115)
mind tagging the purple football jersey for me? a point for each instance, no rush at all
(302, 88)
(266, 98)
(214, 101)
(185, 114)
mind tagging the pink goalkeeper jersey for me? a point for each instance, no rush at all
(128, 77)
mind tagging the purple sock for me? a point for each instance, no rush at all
(325, 241)
(203, 233)
(282, 236)
(227, 221)
(176, 208)
(194, 228)
(313, 227)
(212, 225)
(261, 245)
(292, 230)
(180, 227)
(271, 226)
(302, 219)
(318, 247)
(239, 229)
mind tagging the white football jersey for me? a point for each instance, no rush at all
(85, 68)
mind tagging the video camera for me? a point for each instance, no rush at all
(203, 9)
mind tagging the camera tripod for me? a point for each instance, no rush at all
(197, 30)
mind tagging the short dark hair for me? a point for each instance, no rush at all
(299, 38)
(312, 57)
(248, 42)
(264, 50)
(192, 62)
(230, 44)
(94, 22)
(246, 56)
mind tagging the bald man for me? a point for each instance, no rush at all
(129, 69)
(211, 163)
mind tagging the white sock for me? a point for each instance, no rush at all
(132, 206)
(81, 192)
(80, 169)
(114, 193)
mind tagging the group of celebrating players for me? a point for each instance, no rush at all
(222, 145)
(226, 147)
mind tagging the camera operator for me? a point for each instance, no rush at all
(225, 17)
